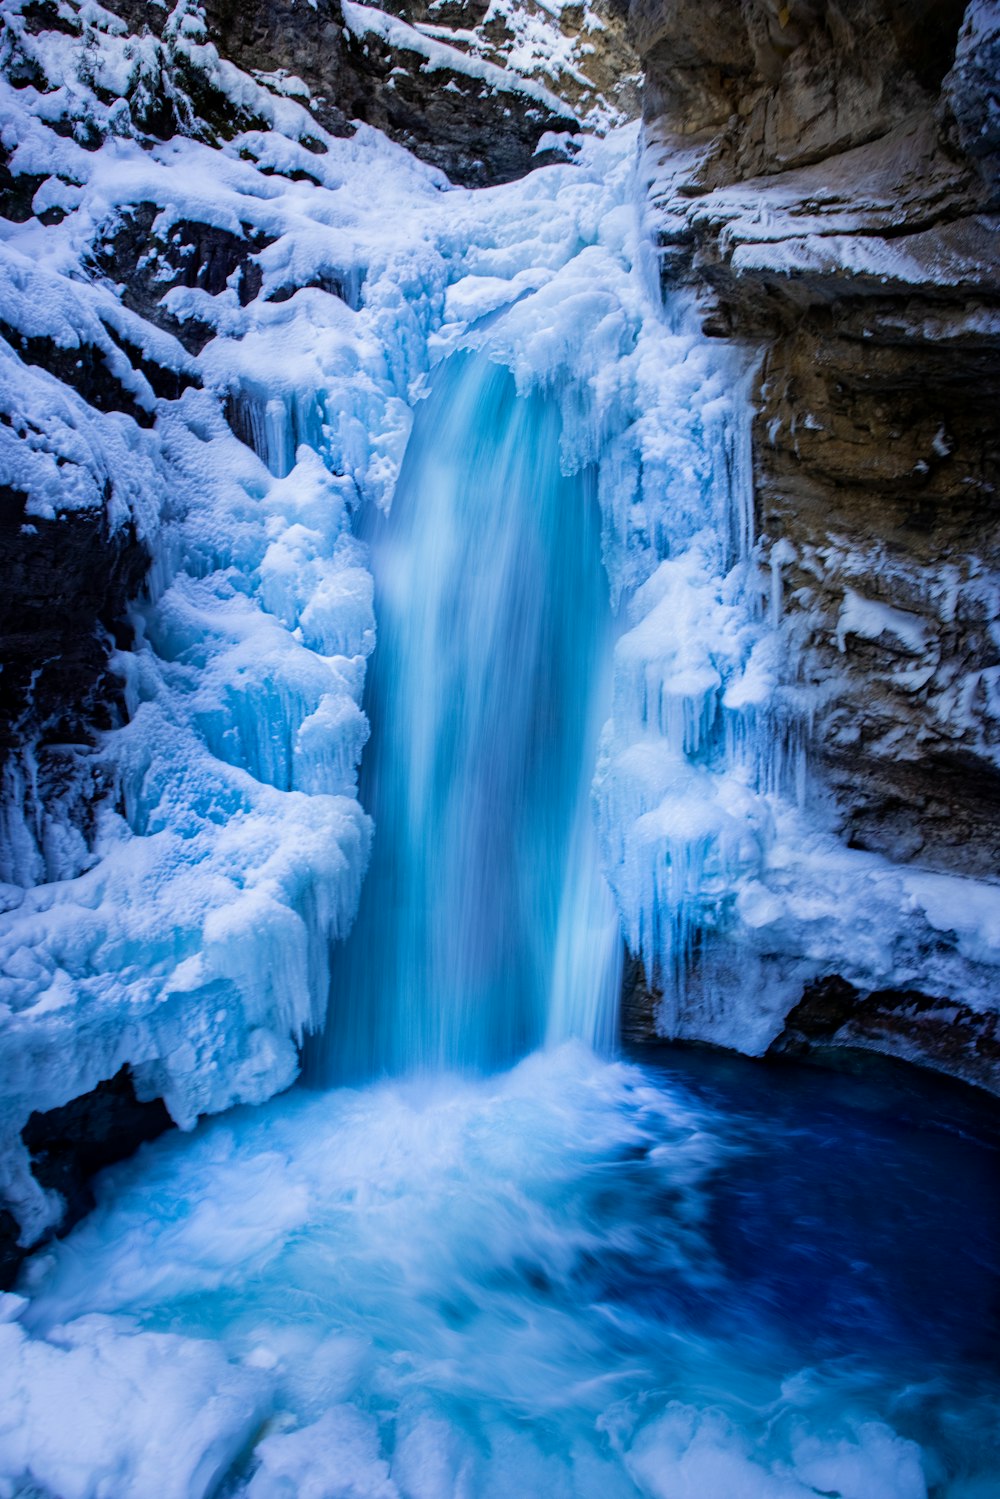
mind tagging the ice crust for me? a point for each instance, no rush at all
(196, 946)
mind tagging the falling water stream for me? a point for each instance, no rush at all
(494, 1261)
(485, 925)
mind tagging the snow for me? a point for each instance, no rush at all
(195, 946)
(297, 1464)
(872, 620)
(687, 1454)
(62, 1399)
(365, 19)
(952, 256)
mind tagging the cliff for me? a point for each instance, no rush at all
(826, 177)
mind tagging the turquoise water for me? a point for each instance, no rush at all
(494, 1261)
(485, 925)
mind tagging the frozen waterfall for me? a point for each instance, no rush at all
(575, 1277)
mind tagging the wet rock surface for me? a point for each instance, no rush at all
(833, 1016)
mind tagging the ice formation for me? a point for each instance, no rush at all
(196, 945)
(193, 941)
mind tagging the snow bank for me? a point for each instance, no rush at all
(187, 1410)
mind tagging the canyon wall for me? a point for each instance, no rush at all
(826, 176)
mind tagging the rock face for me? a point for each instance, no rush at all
(359, 66)
(66, 584)
(581, 51)
(69, 1145)
(354, 62)
(828, 179)
(833, 1016)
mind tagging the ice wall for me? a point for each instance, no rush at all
(192, 938)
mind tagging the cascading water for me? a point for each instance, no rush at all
(580, 1278)
(485, 924)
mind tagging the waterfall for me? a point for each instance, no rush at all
(485, 925)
